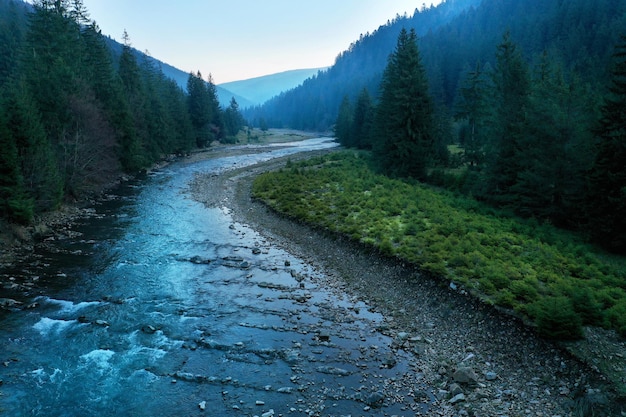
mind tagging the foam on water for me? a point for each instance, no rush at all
(68, 307)
(47, 326)
(99, 358)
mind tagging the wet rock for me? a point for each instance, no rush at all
(331, 370)
(323, 336)
(9, 303)
(457, 399)
(375, 399)
(402, 336)
(148, 329)
(455, 389)
(491, 376)
(268, 414)
(202, 405)
(102, 323)
(199, 260)
(465, 375)
(256, 251)
(389, 361)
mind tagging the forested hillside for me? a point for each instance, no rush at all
(453, 38)
(530, 93)
(75, 114)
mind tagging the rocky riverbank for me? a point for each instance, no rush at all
(478, 361)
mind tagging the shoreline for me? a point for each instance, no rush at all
(517, 373)
(514, 366)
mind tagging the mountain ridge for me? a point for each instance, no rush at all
(258, 90)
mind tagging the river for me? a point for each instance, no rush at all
(159, 306)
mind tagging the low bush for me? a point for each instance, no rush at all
(524, 265)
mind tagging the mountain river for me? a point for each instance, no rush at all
(159, 306)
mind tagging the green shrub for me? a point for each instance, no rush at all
(556, 319)
(515, 263)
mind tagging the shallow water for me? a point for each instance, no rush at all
(161, 306)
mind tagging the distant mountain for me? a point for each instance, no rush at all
(260, 89)
(180, 77)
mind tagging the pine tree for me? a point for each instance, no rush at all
(199, 105)
(233, 120)
(343, 125)
(508, 124)
(217, 117)
(472, 108)
(403, 132)
(607, 178)
(14, 202)
(38, 164)
(131, 120)
(362, 121)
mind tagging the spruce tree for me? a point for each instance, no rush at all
(607, 178)
(199, 108)
(472, 108)
(508, 124)
(403, 132)
(362, 120)
(343, 125)
(233, 120)
(14, 202)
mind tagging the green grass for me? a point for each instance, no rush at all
(532, 268)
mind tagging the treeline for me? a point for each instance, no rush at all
(453, 37)
(74, 115)
(532, 139)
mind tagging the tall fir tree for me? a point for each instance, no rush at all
(15, 204)
(606, 200)
(508, 124)
(233, 120)
(403, 131)
(132, 122)
(472, 109)
(38, 163)
(362, 120)
(343, 125)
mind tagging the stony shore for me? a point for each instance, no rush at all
(480, 361)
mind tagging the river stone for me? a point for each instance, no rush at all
(256, 251)
(457, 398)
(491, 376)
(455, 389)
(148, 329)
(331, 370)
(375, 399)
(465, 375)
(202, 405)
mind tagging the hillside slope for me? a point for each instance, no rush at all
(260, 89)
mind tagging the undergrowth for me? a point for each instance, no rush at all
(549, 276)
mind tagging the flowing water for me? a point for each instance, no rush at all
(159, 306)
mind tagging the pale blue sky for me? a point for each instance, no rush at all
(240, 39)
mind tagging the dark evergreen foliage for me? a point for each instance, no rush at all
(362, 121)
(77, 112)
(607, 178)
(343, 125)
(403, 135)
(578, 33)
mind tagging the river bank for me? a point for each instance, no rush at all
(477, 361)
(512, 371)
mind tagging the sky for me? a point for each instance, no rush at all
(241, 39)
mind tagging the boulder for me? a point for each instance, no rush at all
(465, 375)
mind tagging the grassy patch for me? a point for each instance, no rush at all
(532, 268)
